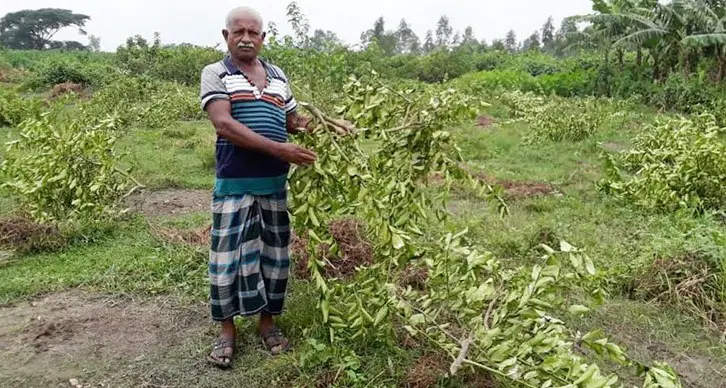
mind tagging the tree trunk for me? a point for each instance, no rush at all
(656, 68)
(639, 58)
(721, 59)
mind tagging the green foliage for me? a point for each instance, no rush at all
(496, 320)
(675, 164)
(555, 119)
(14, 108)
(64, 169)
(145, 102)
(180, 63)
(55, 72)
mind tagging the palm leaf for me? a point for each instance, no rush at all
(705, 40)
(639, 38)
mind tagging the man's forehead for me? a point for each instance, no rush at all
(245, 21)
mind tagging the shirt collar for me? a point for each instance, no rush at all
(233, 69)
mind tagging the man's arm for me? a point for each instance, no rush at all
(219, 112)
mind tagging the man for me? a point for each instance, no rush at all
(252, 108)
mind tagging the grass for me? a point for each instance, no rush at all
(128, 258)
(180, 156)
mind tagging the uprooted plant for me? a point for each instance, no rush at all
(676, 164)
(64, 168)
(479, 314)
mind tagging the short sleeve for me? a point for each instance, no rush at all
(290, 103)
(212, 87)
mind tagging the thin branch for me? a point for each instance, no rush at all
(462, 355)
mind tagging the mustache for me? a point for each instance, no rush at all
(245, 45)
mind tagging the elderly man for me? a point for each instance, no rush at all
(252, 108)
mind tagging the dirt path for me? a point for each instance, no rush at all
(171, 202)
(86, 339)
(76, 337)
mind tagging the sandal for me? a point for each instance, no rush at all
(222, 352)
(275, 342)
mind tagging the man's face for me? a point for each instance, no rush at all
(244, 38)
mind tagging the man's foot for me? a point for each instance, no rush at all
(272, 337)
(222, 352)
(223, 348)
(274, 341)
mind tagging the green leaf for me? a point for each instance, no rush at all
(578, 309)
(381, 315)
(397, 241)
(589, 266)
(565, 247)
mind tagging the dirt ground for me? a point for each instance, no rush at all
(89, 340)
(171, 202)
(86, 339)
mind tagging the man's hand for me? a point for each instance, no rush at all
(293, 153)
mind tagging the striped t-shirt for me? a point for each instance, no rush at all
(243, 171)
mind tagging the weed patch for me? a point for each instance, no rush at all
(692, 282)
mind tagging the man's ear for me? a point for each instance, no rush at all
(264, 35)
(225, 34)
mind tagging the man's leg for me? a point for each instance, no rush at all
(275, 265)
(233, 224)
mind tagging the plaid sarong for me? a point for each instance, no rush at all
(248, 258)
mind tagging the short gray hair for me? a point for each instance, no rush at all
(243, 11)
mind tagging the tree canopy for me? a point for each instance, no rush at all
(34, 29)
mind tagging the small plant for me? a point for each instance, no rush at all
(64, 169)
(14, 108)
(555, 119)
(676, 164)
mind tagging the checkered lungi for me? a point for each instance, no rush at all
(248, 258)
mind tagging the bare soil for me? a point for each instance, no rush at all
(86, 336)
(65, 88)
(485, 121)
(21, 234)
(426, 371)
(697, 366)
(520, 189)
(199, 237)
(171, 202)
(355, 250)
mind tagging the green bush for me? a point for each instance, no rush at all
(145, 102)
(58, 71)
(63, 169)
(181, 63)
(555, 119)
(676, 164)
(14, 108)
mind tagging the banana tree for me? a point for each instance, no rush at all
(710, 18)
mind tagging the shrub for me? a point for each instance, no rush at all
(553, 118)
(63, 169)
(564, 120)
(180, 63)
(14, 108)
(57, 71)
(145, 102)
(676, 164)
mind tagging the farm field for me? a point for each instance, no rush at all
(98, 301)
(543, 214)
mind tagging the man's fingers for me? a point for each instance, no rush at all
(308, 153)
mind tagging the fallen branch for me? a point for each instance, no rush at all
(462, 355)
(338, 126)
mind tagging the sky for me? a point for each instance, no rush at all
(201, 22)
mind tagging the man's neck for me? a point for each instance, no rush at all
(245, 64)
